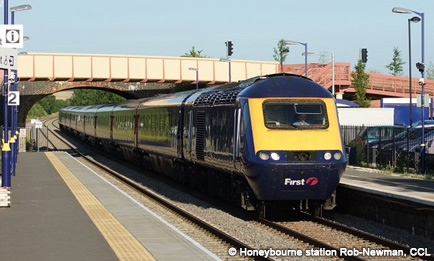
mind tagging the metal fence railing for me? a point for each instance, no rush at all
(393, 146)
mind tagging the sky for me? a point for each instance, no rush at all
(173, 27)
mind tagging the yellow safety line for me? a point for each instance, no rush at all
(123, 243)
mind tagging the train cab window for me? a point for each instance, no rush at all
(295, 114)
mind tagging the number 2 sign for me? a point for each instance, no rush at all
(13, 98)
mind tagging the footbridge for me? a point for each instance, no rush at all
(41, 74)
(380, 85)
(97, 71)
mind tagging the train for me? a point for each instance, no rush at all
(237, 141)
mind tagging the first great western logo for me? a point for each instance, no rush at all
(311, 181)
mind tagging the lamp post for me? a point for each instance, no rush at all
(305, 50)
(333, 74)
(6, 150)
(414, 19)
(228, 60)
(421, 67)
(17, 9)
(197, 76)
(14, 109)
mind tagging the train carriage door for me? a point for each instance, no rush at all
(75, 121)
(185, 133)
(111, 126)
(136, 129)
(190, 131)
(180, 133)
(84, 123)
(94, 125)
(237, 136)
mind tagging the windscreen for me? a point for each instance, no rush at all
(295, 114)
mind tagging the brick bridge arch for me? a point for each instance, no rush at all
(32, 92)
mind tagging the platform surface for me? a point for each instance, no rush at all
(55, 214)
(399, 187)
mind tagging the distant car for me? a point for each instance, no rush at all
(414, 136)
(372, 136)
(427, 124)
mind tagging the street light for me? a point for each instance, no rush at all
(17, 9)
(305, 50)
(197, 76)
(401, 10)
(14, 87)
(228, 60)
(414, 19)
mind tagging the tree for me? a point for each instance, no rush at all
(360, 81)
(395, 66)
(83, 97)
(46, 106)
(36, 111)
(280, 53)
(187, 86)
(430, 71)
(323, 58)
(194, 53)
(50, 104)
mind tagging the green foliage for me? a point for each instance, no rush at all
(83, 97)
(51, 105)
(37, 111)
(395, 66)
(281, 52)
(430, 71)
(360, 81)
(323, 58)
(187, 86)
(194, 53)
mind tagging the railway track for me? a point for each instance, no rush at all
(321, 237)
(334, 239)
(215, 232)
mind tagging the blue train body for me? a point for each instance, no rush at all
(237, 140)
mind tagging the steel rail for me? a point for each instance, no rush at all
(152, 195)
(235, 243)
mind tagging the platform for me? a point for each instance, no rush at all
(399, 187)
(62, 210)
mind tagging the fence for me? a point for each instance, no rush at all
(38, 138)
(31, 138)
(393, 146)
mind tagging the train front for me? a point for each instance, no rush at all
(292, 144)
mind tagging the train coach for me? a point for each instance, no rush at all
(241, 141)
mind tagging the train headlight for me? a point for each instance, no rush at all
(275, 156)
(337, 155)
(263, 156)
(327, 156)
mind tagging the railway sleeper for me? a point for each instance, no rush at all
(284, 209)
